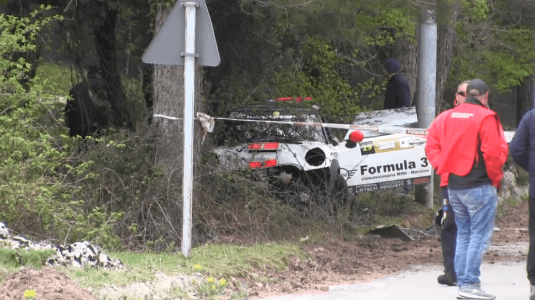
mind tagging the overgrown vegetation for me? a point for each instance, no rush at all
(495, 43)
(32, 140)
(109, 190)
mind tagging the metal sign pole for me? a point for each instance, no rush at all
(189, 100)
(426, 91)
(178, 33)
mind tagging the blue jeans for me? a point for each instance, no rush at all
(475, 211)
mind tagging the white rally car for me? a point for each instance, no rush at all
(384, 160)
(295, 153)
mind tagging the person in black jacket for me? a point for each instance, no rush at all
(523, 152)
(398, 91)
(84, 112)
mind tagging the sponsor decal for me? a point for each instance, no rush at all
(461, 115)
(386, 145)
(370, 187)
(405, 142)
(391, 184)
(405, 165)
(416, 131)
(366, 187)
(421, 180)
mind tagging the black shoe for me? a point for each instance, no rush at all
(447, 279)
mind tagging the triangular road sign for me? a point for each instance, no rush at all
(169, 42)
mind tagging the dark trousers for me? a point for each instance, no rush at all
(448, 238)
(531, 252)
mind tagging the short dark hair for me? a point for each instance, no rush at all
(477, 87)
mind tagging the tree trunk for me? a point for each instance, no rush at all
(524, 98)
(105, 43)
(446, 38)
(168, 92)
(20, 8)
(406, 52)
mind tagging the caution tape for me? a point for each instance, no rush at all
(206, 119)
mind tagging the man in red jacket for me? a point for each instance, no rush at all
(448, 233)
(464, 144)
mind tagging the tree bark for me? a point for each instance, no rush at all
(19, 8)
(168, 92)
(446, 38)
(105, 43)
(406, 53)
(524, 98)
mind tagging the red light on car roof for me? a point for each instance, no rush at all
(255, 164)
(297, 99)
(285, 99)
(255, 146)
(271, 146)
(270, 163)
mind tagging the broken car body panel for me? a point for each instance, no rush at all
(379, 161)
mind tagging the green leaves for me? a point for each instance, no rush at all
(491, 47)
(33, 142)
(318, 77)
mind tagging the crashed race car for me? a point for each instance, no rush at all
(384, 160)
(292, 158)
(289, 144)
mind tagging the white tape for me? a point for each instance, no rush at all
(411, 131)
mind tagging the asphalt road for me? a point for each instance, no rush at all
(506, 280)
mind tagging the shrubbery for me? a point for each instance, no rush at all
(35, 198)
(108, 189)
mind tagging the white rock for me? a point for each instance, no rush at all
(4, 231)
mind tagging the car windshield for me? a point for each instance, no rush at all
(247, 132)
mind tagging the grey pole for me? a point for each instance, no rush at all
(426, 91)
(189, 99)
(175, 35)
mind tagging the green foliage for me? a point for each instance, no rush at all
(211, 288)
(14, 258)
(330, 50)
(56, 79)
(34, 196)
(477, 9)
(488, 46)
(384, 27)
(318, 76)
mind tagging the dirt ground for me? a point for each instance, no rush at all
(48, 284)
(337, 262)
(333, 262)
